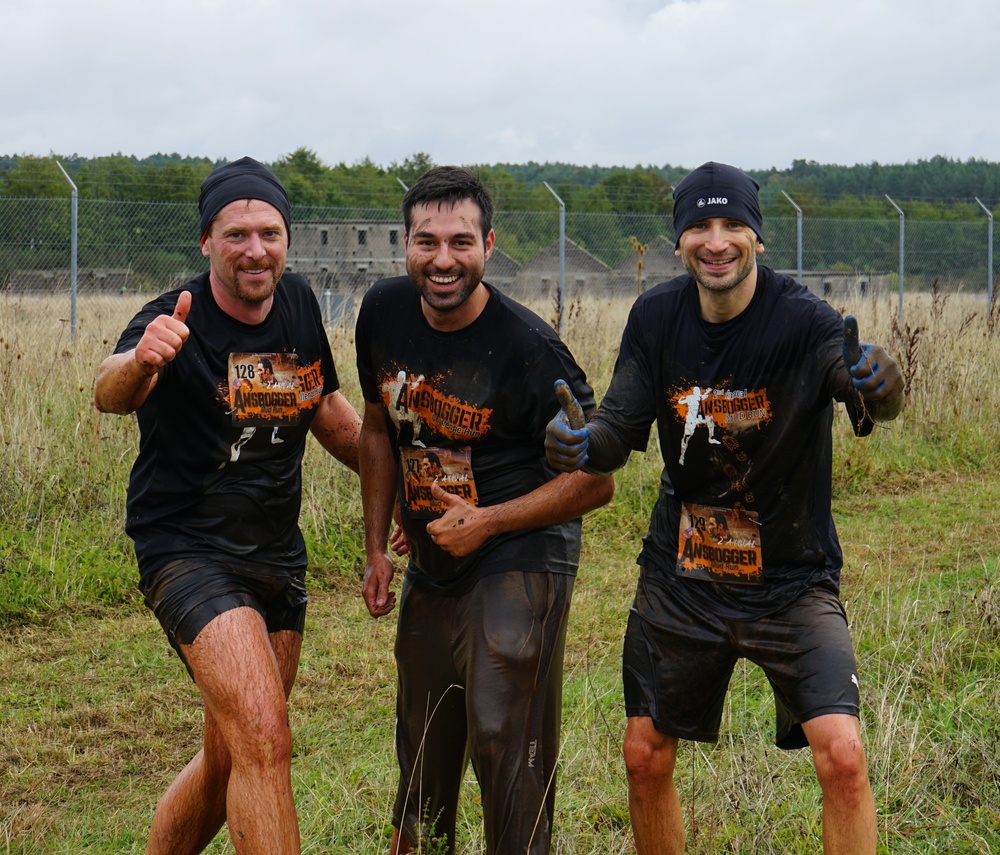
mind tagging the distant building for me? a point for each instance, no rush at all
(838, 284)
(584, 274)
(659, 264)
(346, 257)
(502, 271)
(343, 258)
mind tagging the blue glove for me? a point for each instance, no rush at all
(873, 372)
(567, 435)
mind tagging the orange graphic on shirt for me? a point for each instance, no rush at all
(711, 408)
(719, 545)
(411, 398)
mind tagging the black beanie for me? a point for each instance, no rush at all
(245, 178)
(716, 190)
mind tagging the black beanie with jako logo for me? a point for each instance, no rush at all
(716, 190)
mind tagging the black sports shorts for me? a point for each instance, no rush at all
(677, 663)
(188, 593)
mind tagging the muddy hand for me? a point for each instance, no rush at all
(567, 435)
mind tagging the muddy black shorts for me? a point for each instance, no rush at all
(677, 663)
(188, 593)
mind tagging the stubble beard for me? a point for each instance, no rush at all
(721, 284)
(254, 296)
(470, 280)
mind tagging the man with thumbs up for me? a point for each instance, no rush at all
(459, 377)
(739, 366)
(214, 497)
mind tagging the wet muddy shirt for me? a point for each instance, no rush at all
(223, 432)
(744, 411)
(468, 408)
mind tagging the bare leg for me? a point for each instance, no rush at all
(849, 826)
(244, 771)
(193, 809)
(653, 803)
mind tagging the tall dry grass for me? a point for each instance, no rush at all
(96, 715)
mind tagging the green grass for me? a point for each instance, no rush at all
(97, 715)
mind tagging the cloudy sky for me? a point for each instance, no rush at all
(758, 83)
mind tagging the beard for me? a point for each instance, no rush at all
(456, 295)
(721, 284)
(256, 293)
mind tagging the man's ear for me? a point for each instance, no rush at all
(760, 246)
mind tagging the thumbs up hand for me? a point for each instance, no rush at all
(567, 435)
(164, 337)
(874, 374)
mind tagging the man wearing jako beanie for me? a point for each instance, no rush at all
(739, 367)
(213, 501)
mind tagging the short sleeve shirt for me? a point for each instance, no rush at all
(479, 398)
(223, 432)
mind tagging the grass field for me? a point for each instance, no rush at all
(97, 715)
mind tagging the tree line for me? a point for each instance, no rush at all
(936, 188)
(139, 212)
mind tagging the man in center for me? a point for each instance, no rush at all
(453, 370)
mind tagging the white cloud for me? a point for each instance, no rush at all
(593, 81)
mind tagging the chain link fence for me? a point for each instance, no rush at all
(134, 250)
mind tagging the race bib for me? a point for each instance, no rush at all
(451, 468)
(719, 545)
(269, 388)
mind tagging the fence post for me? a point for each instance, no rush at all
(989, 255)
(902, 232)
(72, 254)
(798, 232)
(562, 256)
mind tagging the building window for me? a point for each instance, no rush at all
(324, 237)
(393, 237)
(362, 237)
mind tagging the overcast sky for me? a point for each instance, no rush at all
(757, 83)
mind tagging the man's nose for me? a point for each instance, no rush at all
(716, 238)
(255, 246)
(443, 257)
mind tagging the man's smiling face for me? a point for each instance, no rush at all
(446, 255)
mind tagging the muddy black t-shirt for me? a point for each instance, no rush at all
(469, 409)
(744, 412)
(223, 432)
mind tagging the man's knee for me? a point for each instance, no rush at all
(649, 754)
(269, 741)
(218, 762)
(839, 757)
